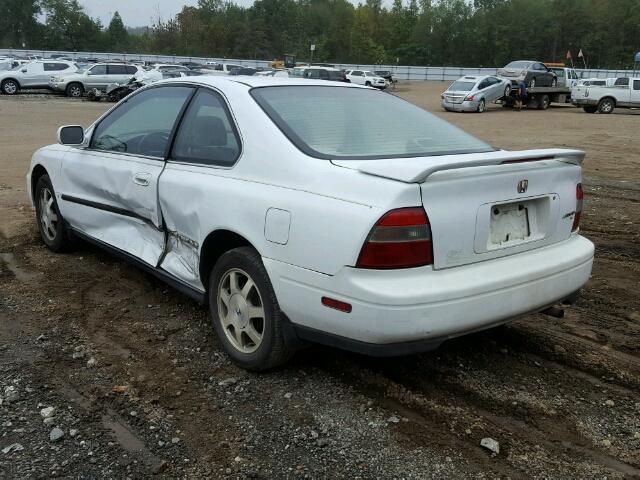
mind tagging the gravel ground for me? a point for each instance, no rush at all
(106, 372)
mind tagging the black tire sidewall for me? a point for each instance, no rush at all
(60, 241)
(247, 259)
(604, 102)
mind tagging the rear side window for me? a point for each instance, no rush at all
(142, 125)
(636, 84)
(352, 123)
(131, 70)
(207, 135)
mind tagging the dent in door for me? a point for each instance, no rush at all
(182, 259)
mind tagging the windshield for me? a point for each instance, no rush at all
(353, 123)
(460, 86)
(518, 64)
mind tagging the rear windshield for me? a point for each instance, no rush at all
(460, 86)
(518, 64)
(356, 123)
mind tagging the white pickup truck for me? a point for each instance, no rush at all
(605, 99)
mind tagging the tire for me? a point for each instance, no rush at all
(590, 109)
(481, 106)
(543, 102)
(75, 90)
(51, 225)
(507, 91)
(10, 87)
(554, 82)
(367, 84)
(252, 344)
(532, 82)
(606, 105)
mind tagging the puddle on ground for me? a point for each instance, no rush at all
(9, 259)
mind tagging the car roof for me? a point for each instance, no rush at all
(255, 81)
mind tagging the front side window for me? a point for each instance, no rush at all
(98, 70)
(207, 134)
(636, 84)
(345, 123)
(142, 125)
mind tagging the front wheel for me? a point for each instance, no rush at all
(507, 91)
(245, 312)
(367, 84)
(53, 230)
(74, 90)
(10, 87)
(532, 83)
(554, 82)
(606, 105)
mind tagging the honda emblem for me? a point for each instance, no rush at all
(523, 185)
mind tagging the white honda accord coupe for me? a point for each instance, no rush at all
(312, 211)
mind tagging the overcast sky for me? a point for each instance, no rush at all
(138, 13)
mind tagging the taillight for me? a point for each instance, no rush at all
(578, 214)
(400, 239)
(469, 97)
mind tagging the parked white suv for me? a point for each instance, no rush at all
(297, 215)
(97, 76)
(34, 74)
(367, 78)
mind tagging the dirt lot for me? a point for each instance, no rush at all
(140, 385)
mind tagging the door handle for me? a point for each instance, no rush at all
(142, 178)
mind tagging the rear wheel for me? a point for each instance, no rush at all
(554, 82)
(481, 106)
(532, 83)
(543, 102)
(245, 312)
(507, 91)
(10, 87)
(74, 90)
(606, 105)
(590, 109)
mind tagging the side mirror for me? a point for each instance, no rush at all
(71, 135)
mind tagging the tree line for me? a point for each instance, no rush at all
(471, 33)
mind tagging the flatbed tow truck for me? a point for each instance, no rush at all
(540, 97)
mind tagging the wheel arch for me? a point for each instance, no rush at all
(10, 78)
(36, 173)
(215, 244)
(608, 97)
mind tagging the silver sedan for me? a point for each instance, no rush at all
(473, 92)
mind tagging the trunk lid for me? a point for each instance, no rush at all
(455, 96)
(489, 205)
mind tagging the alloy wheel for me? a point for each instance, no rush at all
(241, 310)
(10, 87)
(48, 215)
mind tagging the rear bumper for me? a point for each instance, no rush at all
(466, 106)
(427, 306)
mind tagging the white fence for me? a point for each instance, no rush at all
(402, 72)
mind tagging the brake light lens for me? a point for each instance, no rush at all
(469, 97)
(578, 214)
(400, 239)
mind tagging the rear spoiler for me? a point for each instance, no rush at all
(417, 170)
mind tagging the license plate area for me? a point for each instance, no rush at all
(509, 223)
(504, 225)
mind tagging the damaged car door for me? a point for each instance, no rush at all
(109, 187)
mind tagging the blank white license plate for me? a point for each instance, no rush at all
(509, 223)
